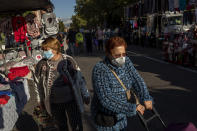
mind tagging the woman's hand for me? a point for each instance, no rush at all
(140, 108)
(148, 105)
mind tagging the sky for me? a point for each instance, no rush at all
(64, 8)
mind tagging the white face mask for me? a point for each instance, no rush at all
(119, 61)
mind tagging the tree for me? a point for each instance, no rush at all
(78, 22)
(61, 26)
(99, 12)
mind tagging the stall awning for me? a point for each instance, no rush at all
(22, 5)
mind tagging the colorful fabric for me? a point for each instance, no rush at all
(5, 93)
(4, 87)
(18, 72)
(8, 114)
(19, 28)
(79, 37)
(18, 91)
(4, 99)
(32, 27)
(110, 97)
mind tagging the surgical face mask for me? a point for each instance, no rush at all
(48, 54)
(119, 61)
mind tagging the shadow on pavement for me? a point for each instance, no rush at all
(174, 92)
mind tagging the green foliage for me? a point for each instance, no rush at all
(26, 13)
(61, 26)
(78, 22)
(99, 12)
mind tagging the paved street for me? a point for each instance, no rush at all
(172, 87)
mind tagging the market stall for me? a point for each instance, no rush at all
(21, 35)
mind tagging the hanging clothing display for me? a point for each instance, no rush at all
(2, 39)
(6, 25)
(12, 102)
(38, 18)
(19, 28)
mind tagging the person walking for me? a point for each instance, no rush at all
(100, 36)
(115, 80)
(80, 42)
(71, 42)
(88, 38)
(62, 39)
(62, 88)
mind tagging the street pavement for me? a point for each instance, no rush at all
(172, 87)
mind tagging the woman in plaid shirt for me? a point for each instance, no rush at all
(110, 97)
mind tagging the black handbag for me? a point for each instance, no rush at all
(105, 120)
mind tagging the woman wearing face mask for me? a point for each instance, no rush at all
(115, 81)
(62, 88)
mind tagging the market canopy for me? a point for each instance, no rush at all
(22, 5)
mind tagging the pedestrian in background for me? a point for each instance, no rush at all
(100, 36)
(62, 88)
(63, 43)
(79, 42)
(114, 79)
(71, 42)
(88, 38)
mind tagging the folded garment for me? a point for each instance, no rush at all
(18, 91)
(18, 72)
(8, 115)
(3, 80)
(4, 87)
(5, 93)
(4, 99)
